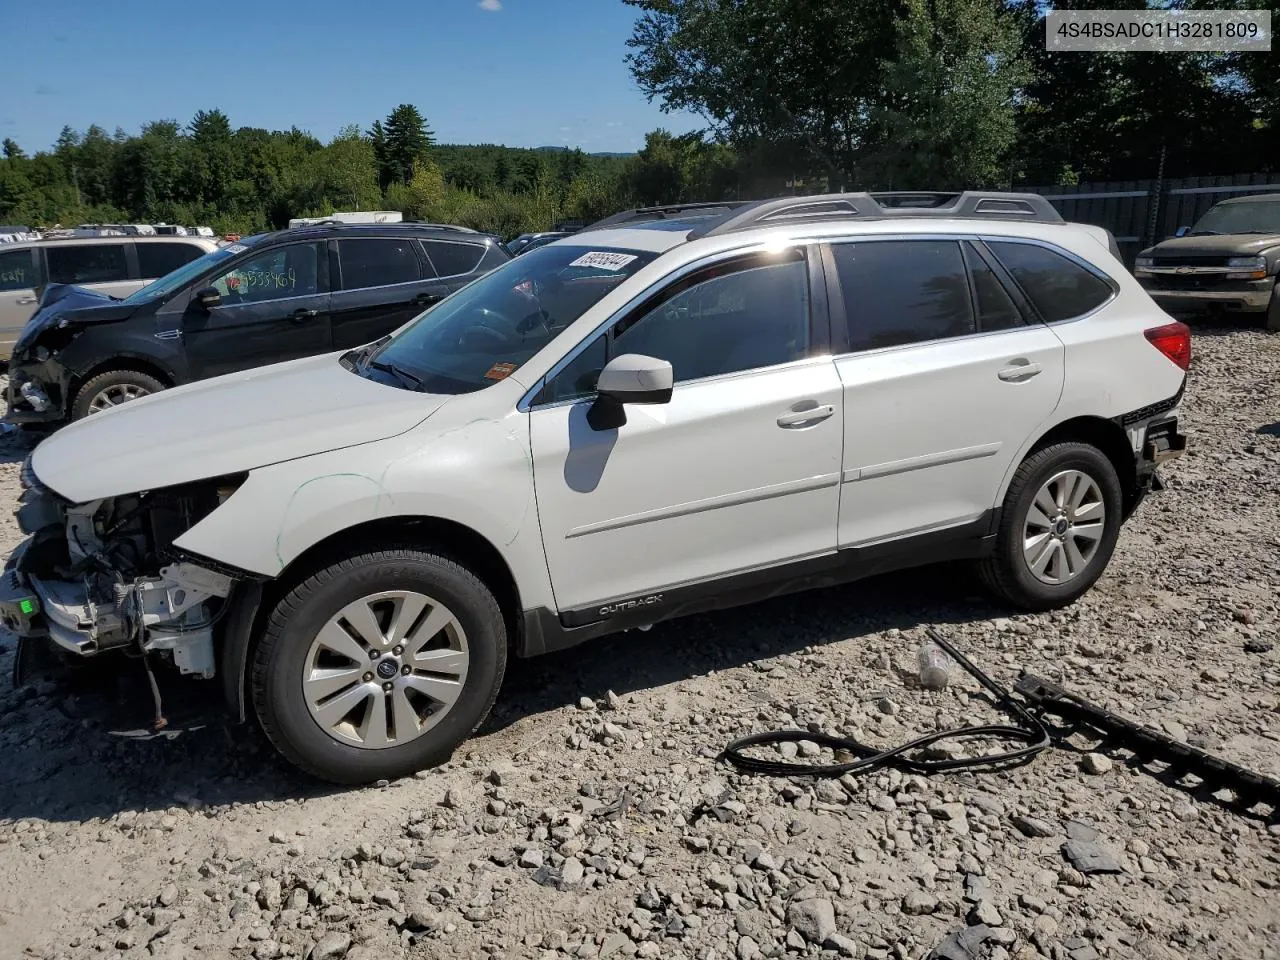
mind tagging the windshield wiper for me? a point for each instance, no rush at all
(1203, 233)
(404, 375)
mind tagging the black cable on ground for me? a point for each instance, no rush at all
(1031, 732)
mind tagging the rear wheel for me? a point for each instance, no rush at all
(111, 389)
(379, 666)
(1058, 528)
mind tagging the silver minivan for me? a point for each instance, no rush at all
(116, 266)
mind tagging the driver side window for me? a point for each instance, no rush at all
(744, 316)
(290, 271)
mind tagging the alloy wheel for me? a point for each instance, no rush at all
(1064, 527)
(385, 669)
(115, 395)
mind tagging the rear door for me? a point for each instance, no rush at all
(18, 280)
(101, 266)
(381, 283)
(945, 376)
(274, 307)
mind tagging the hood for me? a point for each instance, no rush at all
(62, 301)
(225, 425)
(1214, 245)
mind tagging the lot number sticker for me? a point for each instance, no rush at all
(605, 261)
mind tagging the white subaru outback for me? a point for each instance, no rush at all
(674, 410)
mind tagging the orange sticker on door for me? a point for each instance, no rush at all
(500, 371)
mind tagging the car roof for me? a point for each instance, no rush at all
(330, 230)
(207, 242)
(1254, 198)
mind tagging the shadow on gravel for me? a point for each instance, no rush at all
(703, 643)
(80, 746)
(1270, 429)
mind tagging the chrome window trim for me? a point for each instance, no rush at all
(756, 245)
(482, 247)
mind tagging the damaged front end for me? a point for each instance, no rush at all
(104, 576)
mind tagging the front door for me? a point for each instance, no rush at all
(382, 284)
(274, 307)
(738, 471)
(17, 294)
(944, 378)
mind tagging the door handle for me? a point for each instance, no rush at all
(299, 315)
(26, 300)
(803, 418)
(426, 299)
(1019, 370)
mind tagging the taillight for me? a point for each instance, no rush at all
(1174, 341)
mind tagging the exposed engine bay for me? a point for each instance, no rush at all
(104, 575)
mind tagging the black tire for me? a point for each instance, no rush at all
(1006, 573)
(1272, 319)
(280, 657)
(112, 378)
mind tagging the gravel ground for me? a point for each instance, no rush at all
(589, 817)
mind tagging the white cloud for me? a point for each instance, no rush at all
(493, 6)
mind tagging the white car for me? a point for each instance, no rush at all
(668, 412)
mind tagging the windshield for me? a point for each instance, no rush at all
(177, 278)
(1262, 216)
(494, 325)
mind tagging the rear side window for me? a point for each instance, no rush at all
(377, 263)
(16, 272)
(157, 259)
(451, 259)
(996, 310)
(903, 291)
(86, 263)
(1058, 287)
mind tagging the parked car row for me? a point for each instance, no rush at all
(95, 342)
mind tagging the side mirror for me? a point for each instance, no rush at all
(630, 378)
(1182, 231)
(208, 298)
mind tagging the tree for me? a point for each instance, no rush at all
(803, 74)
(12, 151)
(945, 118)
(405, 138)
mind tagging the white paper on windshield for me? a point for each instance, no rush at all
(236, 248)
(604, 260)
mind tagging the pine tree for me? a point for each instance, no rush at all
(406, 138)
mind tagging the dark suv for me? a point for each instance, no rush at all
(266, 298)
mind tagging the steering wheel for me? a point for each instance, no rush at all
(490, 330)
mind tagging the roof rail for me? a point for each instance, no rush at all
(882, 205)
(664, 212)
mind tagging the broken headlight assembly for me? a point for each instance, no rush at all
(105, 575)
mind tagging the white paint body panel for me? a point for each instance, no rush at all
(224, 425)
(931, 429)
(705, 485)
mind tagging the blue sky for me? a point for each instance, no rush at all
(520, 72)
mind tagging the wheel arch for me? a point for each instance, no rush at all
(450, 538)
(136, 363)
(1107, 435)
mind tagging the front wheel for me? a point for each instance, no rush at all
(379, 665)
(111, 389)
(1272, 321)
(1058, 528)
